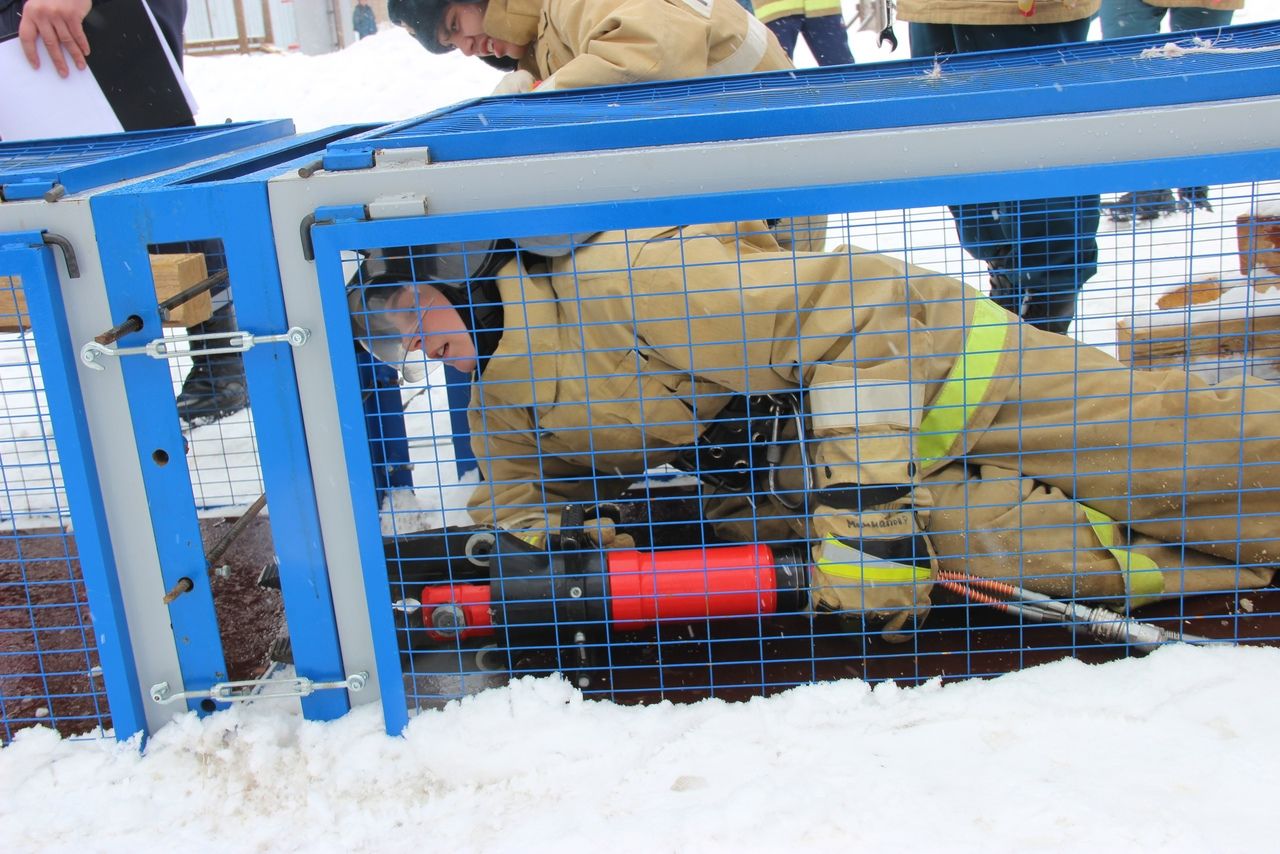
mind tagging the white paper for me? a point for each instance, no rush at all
(38, 104)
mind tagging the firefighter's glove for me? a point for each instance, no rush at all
(514, 83)
(871, 557)
(604, 533)
(872, 562)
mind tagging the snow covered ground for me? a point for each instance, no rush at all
(1174, 751)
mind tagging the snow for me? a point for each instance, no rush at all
(1174, 751)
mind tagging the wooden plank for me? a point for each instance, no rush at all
(1213, 338)
(1258, 239)
(173, 273)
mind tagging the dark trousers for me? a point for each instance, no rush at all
(825, 36)
(1040, 251)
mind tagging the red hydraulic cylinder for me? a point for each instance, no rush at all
(685, 585)
(457, 611)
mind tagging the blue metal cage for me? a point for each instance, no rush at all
(1062, 134)
(68, 653)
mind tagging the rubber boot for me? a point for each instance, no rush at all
(1142, 205)
(215, 386)
(1193, 198)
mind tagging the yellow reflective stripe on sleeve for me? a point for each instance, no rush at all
(531, 537)
(841, 561)
(777, 9)
(966, 385)
(1143, 580)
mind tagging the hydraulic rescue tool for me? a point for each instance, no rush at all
(491, 585)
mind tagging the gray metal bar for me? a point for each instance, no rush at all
(802, 161)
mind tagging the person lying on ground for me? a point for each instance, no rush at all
(939, 429)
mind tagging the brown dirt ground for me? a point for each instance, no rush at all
(47, 654)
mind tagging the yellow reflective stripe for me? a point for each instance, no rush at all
(531, 537)
(880, 571)
(1143, 580)
(966, 385)
(778, 8)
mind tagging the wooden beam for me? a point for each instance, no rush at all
(173, 273)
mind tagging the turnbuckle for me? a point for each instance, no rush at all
(93, 352)
(254, 689)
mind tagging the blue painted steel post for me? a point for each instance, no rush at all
(26, 256)
(161, 449)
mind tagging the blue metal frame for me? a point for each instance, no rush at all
(1009, 84)
(226, 200)
(28, 170)
(25, 255)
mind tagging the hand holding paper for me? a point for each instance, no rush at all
(59, 24)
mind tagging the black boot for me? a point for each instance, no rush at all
(1143, 205)
(1191, 198)
(215, 387)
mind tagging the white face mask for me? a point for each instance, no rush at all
(375, 329)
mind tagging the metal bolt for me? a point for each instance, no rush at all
(357, 681)
(579, 637)
(575, 592)
(584, 681)
(223, 571)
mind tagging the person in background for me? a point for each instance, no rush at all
(1122, 18)
(363, 20)
(1039, 252)
(818, 20)
(568, 44)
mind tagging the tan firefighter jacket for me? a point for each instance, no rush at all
(1002, 12)
(616, 357)
(576, 43)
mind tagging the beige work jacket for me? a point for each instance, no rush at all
(576, 43)
(618, 356)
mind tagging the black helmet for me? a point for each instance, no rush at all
(423, 17)
(462, 272)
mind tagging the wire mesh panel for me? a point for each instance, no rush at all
(50, 669)
(716, 464)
